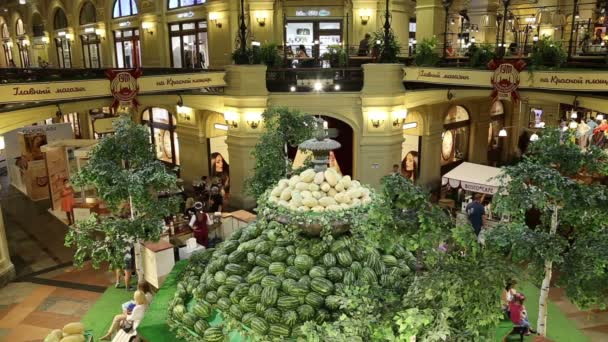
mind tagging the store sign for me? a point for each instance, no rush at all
(199, 80)
(124, 87)
(313, 13)
(474, 187)
(35, 92)
(505, 79)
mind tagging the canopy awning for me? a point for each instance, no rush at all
(473, 177)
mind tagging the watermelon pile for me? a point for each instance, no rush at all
(272, 282)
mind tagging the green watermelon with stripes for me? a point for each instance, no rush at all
(211, 297)
(223, 291)
(287, 283)
(247, 317)
(303, 262)
(200, 326)
(260, 308)
(229, 246)
(272, 315)
(290, 260)
(298, 290)
(293, 273)
(329, 260)
(224, 304)
(189, 319)
(368, 275)
(255, 291)
(389, 260)
(247, 304)
(251, 258)
(317, 250)
(373, 259)
(335, 274)
(277, 268)
(202, 310)
(234, 297)
(259, 326)
(279, 254)
(234, 269)
(288, 302)
(220, 277)
(322, 286)
(314, 299)
(213, 334)
(333, 302)
(271, 281)
(269, 296)
(237, 256)
(263, 260)
(344, 258)
(306, 312)
(337, 246)
(241, 290)
(290, 318)
(339, 287)
(322, 316)
(179, 311)
(256, 275)
(278, 330)
(282, 242)
(305, 280)
(235, 311)
(291, 249)
(349, 277)
(356, 267)
(317, 272)
(264, 247)
(233, 281)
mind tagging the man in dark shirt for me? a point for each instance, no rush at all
(364, 46)
(216, 200)
(476, 213)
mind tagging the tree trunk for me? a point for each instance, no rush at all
(544, 290)
(139, 269)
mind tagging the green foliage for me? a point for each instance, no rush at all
(547, 53)
(426, 53)
(269, 55)
(283, 127)
(336, 55)
(481, 55)
(387, 53)
(241, 57)
(123, 169)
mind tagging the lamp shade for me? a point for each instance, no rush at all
(534, 137)
(502, 133)
(573, 115)
(600, 117)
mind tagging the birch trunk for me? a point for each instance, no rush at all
(137, 248)
(544, 290)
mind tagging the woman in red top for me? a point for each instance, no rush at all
(518, 314)
(200, 227)
(67, 201)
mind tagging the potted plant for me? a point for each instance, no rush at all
(241, 57)
(481, 55)
(385, 53)
(336, 55)
(269, 55)
(547, 53)
(426, 53)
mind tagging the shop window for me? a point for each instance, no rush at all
(184, 3)
(60, 21)
(74, 121)
(128, 53)
(189, 47)
(101, 120)
(162, 134)
(19, 28)
(90, 50)
(24, 55)
(124, 8)
(37, 25)
(64, 53)
(88, 14)
(455, 137)
(308, 32)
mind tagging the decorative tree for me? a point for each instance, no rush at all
(283, 128)
(573, 232)
(127, 176)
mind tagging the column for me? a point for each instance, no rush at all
(7, 269)
(400, 23)
(194, 162)
(377, 155)
(241, 167)
(478, 141)
(488, 24)
(219, 35)
(430, 20)
(430, 160)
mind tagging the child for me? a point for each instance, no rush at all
(507, 295)
(518, 314)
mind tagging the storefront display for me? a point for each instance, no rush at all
(455, 138)
(495, 144)
(189, 46)
(6, 45)
(128, 53)
(162, 133)
(62, 39)
(315, 34)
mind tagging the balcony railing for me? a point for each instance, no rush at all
(314, 79)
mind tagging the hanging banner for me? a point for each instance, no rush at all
(124, 87)
(505, 79)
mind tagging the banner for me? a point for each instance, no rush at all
(124, 87)
(505, 79)
(154, 84)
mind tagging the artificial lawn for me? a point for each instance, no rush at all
(559, 328)
(101, 314)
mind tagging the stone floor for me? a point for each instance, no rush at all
(49, 292)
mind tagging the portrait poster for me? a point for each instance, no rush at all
(57, 171)
(37, 181)
(301, 157)
(410, 157)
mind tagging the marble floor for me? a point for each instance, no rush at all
(49, 292)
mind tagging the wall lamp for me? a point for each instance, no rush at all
(101, 33)
(377, 118)
(69, 37)
(232, 119)
(260, 17)
(365, 14)
(148, 27)
(399, 117)
(45, 40)
(254, 119)
(214, 17)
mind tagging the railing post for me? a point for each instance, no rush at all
(502, 50)
(572, 29)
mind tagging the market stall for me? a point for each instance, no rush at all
(465, 180)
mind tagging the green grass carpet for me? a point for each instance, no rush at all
(101, 314)
(154, 325)
(559, 328)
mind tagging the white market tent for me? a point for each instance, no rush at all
(473, 177)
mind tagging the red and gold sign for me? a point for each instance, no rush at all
(124, 86)
(505, 79)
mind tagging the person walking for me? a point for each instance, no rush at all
(476, 213)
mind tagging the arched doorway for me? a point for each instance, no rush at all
(7, 45)
(62, 40)
(495, 143)
(22, 44)
(89, 38)
(341, 159)
(217, 152)
(162, 126)
(455, 138)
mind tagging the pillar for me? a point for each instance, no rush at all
(479, 113)
(241, 168)
(430, 160)
(194, 162)
(489, 27)
(430, 20)
(7, 269)
(400, 23)
(378, 154)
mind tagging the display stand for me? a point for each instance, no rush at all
(158, 261)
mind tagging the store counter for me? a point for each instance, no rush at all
(158, 261)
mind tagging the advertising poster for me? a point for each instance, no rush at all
(410, 157)
(219, 164)
(57, 170)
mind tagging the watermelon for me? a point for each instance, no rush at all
(202, 310)
(349, 277)
(317, 272)
(235, 311)
(251, 256)
(213, 334)
(293, 273)
(290, 260)
(306, 312)
(247, 317)
(305, 280)
(389, 260)
(279, 254)
(290, 318)
(329, 260)
(234, 298)
(189, 319)
(272, 315)
(356, 267)
(259, 326)
(287, 283)
(234, 269)
(280, 330)
(322, 286)
(314, 299)
(264, 247)
(291, 249)
(256, 275)
(234, 280)
(317, 250)
(335, 274)
(247, 304)
(269, 296)
(271, 281)
(263, 260)
(241, 290)
(281, 242)
(368, 275)
(200, 326)
(179, 311)
(322, 316)
(237, 256)
(255, 291)
(298, 290)
(223, 291)
(260, 309)
(229, 246)
(337, 245)
(277, 268)
(339, 287)
(303, 262)
(224, 304)
(333, 302)
(211, 297)
(288, 302)
(344, 258)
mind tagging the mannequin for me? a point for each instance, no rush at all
(581, 134)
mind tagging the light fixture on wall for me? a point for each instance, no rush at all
(214, 18)
(535, 38)
(21, 2)
(410, 125)
(101, 33)
(148, 26)
(377, 118)
(399, 117)
(45, 40)
(573, 114)
(69, 37)
(253, 119)
(260, 17)
(365, 14)
(232, 118)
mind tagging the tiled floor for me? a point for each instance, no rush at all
(49, 292)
